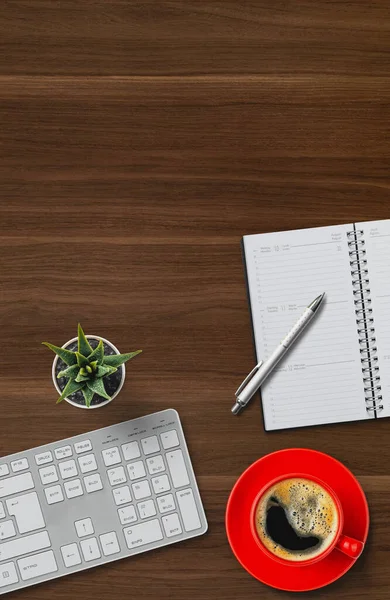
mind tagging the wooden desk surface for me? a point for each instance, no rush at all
(138, 142)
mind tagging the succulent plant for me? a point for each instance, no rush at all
(87, 367)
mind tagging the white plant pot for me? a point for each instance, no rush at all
(55, 361)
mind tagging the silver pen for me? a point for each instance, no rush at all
(253, 381)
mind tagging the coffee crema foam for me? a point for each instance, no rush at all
(311, 514)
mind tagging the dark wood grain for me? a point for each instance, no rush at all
(139, 141)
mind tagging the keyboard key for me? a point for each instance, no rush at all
(2, 511)
(109, 543)
(84, 527)
(84, 446)
(172, 525)
(127, 515)
(155, 465)
(93, 483)
(111, 457)
(131, 450)
(188, 510)
(73, 488)
(19, 465)
(136, 470)
(161, 484)
(169, 439)
(122, 495)
(48, 474)
(63, 452)
(4, 470)
(144, 533)
(7, 530)
(54, 494)
(166, 503)
(37, 565)
(150, 445)
(70, 555)
(146, 509)
(68, 469)
(43, 458)
(90, 549)
(87, 463)
(116, 475)
(177, 468)
(27, 512)
(15, 485)
(24, 545)
(8, 574)
(141, 490)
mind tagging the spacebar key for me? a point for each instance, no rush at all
(24, 545)
(15, 485)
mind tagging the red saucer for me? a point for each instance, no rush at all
(246, 550)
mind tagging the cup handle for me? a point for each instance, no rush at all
(349, 546)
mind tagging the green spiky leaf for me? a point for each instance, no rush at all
(70, 388)
(88, 395)
(81, 360)
(103, 371)
(87, 367)
(70, 372)
(84, 346)
(115, 360)
(81, 378)
(97, 386)
(68, 357)
(97, 354)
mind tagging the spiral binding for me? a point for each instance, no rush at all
(365, 321)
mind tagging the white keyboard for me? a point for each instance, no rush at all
(95, 498)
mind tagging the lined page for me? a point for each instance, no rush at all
(376, 236)
(320, 378)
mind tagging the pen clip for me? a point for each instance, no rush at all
(248, 377)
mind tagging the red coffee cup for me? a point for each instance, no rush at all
(349, 546)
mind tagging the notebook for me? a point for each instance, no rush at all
(339, 369)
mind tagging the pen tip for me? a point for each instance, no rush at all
(316, 303)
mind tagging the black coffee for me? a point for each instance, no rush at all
(296, 519)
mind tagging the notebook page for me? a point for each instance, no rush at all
(376, 236)
(320, 378)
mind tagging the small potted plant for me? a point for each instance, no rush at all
(88, 371)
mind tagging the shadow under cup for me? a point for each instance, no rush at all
(349, 546)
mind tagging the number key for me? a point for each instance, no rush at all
(127, 514)
(136, 470)
(155, 464)
(161, 484)
(146, 509)
(116, 475)
(121, 495)
(141, 490)
(166, 503)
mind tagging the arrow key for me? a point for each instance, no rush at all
(90, 549)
